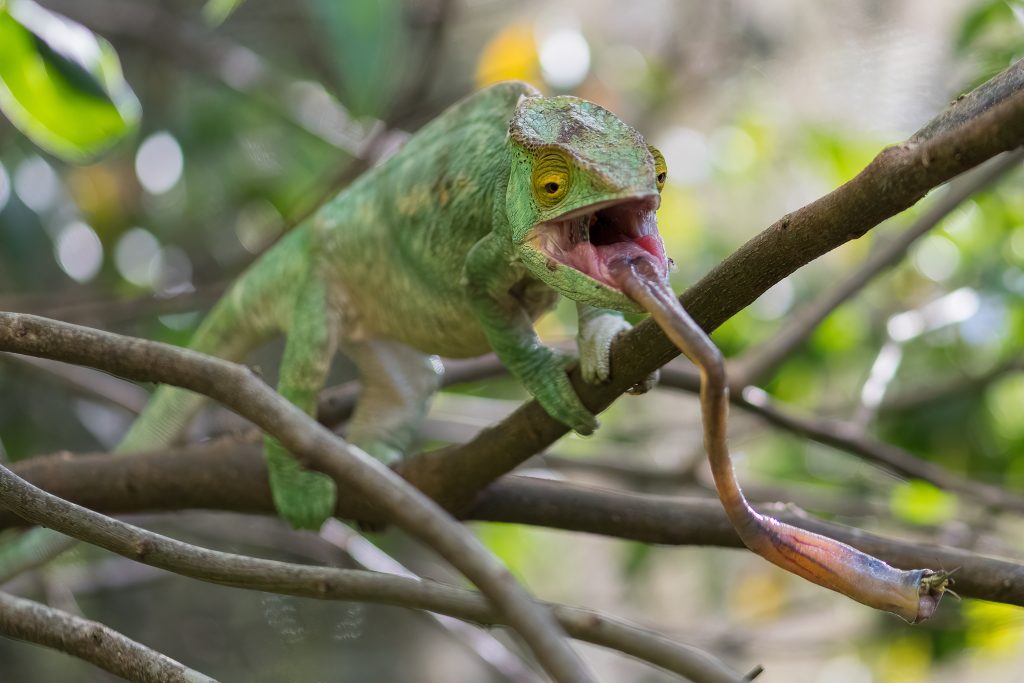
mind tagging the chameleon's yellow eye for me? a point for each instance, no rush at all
(660, 168)
(551, 177)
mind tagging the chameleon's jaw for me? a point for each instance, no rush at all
(589, 239)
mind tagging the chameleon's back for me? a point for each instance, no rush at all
(402, 231)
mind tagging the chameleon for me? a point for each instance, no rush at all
(455, 246)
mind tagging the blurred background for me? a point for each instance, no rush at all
(759, 108)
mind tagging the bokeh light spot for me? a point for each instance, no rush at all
(1017, 244)
(936, 257)
(5, 187)
(258, 224)
(36, 184)
(686, 153)
(159, 163)
(137, 257)
(175, 275)
(732, 149)
(775, 302)
(564, 58)
(79, 252)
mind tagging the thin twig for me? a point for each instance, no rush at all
(853, 439)
(90, 641)
(86, 382)
(915, 398)
(237, 387)
(850, 438)
(330, 583)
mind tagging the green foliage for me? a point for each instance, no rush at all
(217, 11)
(919, 502)
(60, 84)
(363, 37)
(992, 34)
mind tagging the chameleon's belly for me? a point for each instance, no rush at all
(417, 314)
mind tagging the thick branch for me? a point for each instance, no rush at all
(681, 521)
(329, 583)
(897, 178)
(235, 386)
(230, 476)
(90, 641)
(757, 363)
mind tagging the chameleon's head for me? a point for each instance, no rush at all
(582, 193)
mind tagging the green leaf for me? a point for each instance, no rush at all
(919, 502)
(62, 85)
(215, 12)
(980, 19)
(364, 38)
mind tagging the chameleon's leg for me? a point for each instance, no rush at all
(510, 333)
(598, 328)
(304, 498)
(397, 383)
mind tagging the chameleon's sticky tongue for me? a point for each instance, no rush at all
(641, 275)
(913, 595)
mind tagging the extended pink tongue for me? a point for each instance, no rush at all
(627, 265)
(641, 275)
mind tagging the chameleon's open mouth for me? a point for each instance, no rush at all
(591, 238)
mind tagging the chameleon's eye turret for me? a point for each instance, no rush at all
(551, 178)
(660, 168)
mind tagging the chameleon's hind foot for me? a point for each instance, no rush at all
(305, 499)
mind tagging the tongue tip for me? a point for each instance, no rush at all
(652, 244)
(636, 260)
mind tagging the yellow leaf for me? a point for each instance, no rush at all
(510, 55)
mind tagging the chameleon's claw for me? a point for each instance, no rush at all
(305, 499)
(547, 381)
(645, 385)
(595, 343)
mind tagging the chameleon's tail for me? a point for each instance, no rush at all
(224, 333)
(249, 313)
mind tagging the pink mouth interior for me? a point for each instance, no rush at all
(591, 241)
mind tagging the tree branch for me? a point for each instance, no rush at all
(329, 583)
(90, 641)
(237, 387)
(225, 475)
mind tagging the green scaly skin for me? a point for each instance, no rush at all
(440, 250)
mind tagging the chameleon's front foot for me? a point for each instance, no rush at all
(547, 381)
(305, 499)
(598, 328)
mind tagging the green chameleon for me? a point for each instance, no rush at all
(453, 246)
